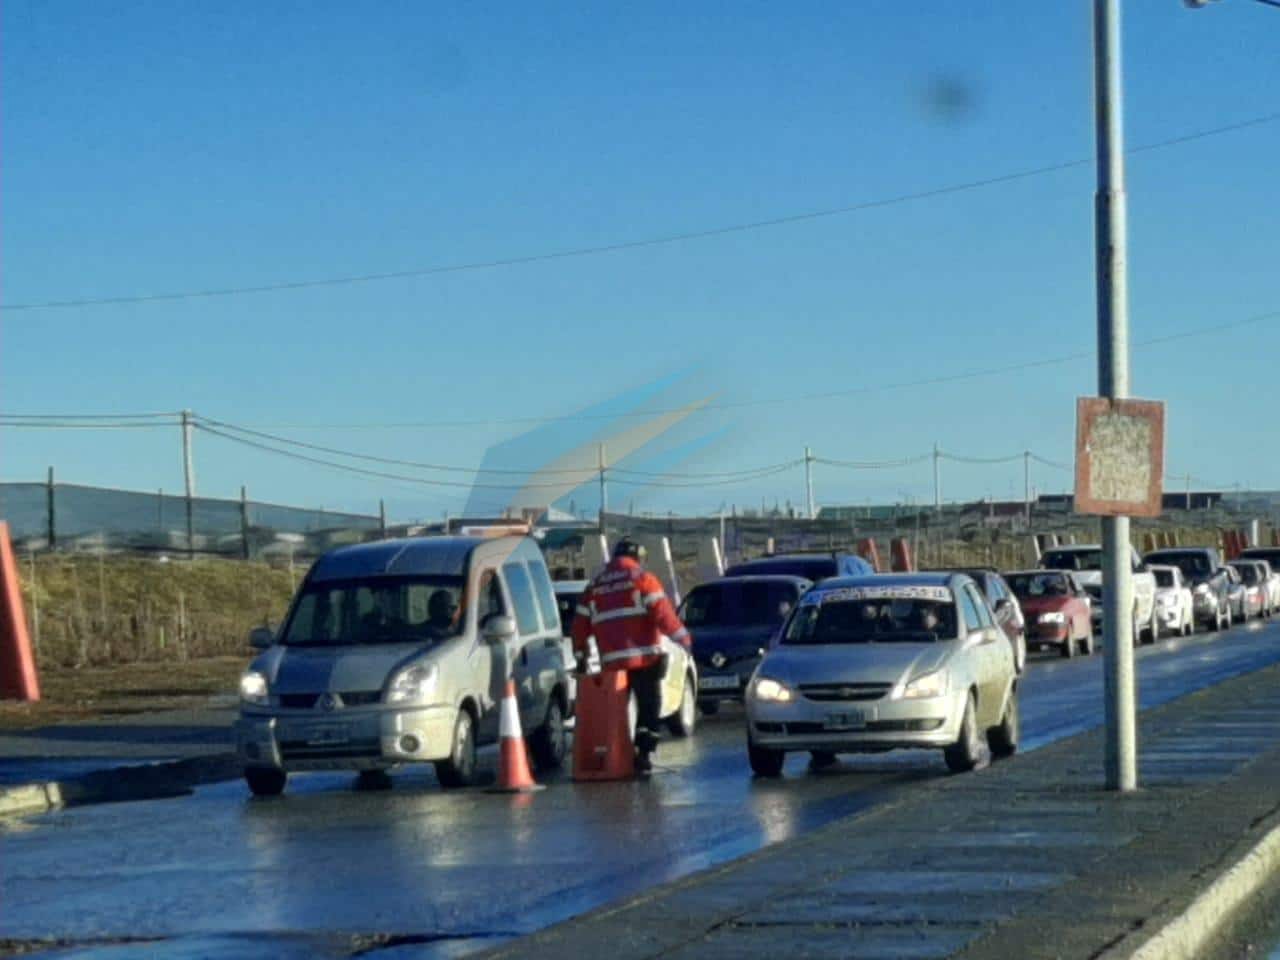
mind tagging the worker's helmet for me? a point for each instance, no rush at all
(626, 547)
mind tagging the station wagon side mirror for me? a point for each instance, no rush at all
(498, 629)
(260, 638)
(1003, 606)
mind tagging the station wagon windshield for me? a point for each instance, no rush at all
(894, 620)
(1073, 560)
(1164, 578)
(377, 610)
(1026, 585)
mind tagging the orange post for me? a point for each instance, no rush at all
(900, 559)
(868, 552)
(602, 747)
(18, 677)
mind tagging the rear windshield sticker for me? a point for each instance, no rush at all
(845, 594)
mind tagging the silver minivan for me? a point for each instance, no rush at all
(398, 652)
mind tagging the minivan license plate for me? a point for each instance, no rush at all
(849, 720)
(718, 683)
(326, 736)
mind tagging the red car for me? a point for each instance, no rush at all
(1057, 610)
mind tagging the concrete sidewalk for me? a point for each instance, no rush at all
(116, 758)
(1029, 859)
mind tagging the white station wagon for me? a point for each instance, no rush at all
(880, 662)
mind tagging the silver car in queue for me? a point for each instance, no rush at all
(881, 662)
(399, 652)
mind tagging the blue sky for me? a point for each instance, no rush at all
(150, 148)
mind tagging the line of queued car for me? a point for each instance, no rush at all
(398, 652)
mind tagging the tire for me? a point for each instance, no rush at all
(1003, 739)
(1087, 643)
(967, 752)
(685, 720)
(1155, 629)
(265, 781)
(460, 769)
(709, 708)
(821, 759)
(764, 761)
(373, 780)
(549, 743)
(1020, 654)
(1069, 647)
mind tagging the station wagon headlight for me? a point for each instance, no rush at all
(1057, 617)
(925, 687)
(413, 684)
(1201, 589)
(253, 687)
(771, 691)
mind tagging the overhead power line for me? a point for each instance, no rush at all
(663, 240)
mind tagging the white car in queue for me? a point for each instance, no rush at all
(866, 664)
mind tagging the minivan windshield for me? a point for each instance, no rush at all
(1028, 585)
(1164, 578)
(881, 620)
(377, 610)
(1248, 572)
(748, 603)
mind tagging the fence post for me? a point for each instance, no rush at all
(52, 531)
(244, 523)
(382, 519)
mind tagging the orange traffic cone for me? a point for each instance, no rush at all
(602, 748)
(514, 775)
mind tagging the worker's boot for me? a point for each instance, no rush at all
(646, 744)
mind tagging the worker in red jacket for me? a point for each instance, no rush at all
(627, 611)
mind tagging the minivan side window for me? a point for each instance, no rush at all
(980, 606)
(522, 596)
(546, 595)
(489, 600)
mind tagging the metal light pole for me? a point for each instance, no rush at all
(937, 481)
(808, 484)
(1113, 382)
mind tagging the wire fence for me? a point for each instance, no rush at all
(74, 518)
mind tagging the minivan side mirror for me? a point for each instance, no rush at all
(1003, 606)
(260, 638)
(498, 629)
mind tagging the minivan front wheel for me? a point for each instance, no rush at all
(265, 781)
(460, 769)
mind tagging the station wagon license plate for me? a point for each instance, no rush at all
(846, 720)
(327, 735)
(718, 683)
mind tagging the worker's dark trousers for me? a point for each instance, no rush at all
(647, 684)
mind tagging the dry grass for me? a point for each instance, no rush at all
(82, 693)
(95, 610)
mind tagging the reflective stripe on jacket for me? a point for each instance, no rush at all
(628, 612)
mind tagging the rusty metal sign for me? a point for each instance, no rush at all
(1119, 457)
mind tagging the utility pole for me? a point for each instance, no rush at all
(808, 483)
(604, 489)
(1113, 383)
(937, 481)
(189, 475)
(1188, 491)
(1026, 484)
(51, 516)
(244, 523)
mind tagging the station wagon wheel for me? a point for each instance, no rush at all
(548, 742)
(460, 769)
(1003, 739)
(684, 721)
(966, 753)
(764, 761)
(265, 781)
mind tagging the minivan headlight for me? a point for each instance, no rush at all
(413, 684)
(771, 691)
(925, 687)
(253, 687)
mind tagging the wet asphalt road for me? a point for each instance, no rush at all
(416, 872)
